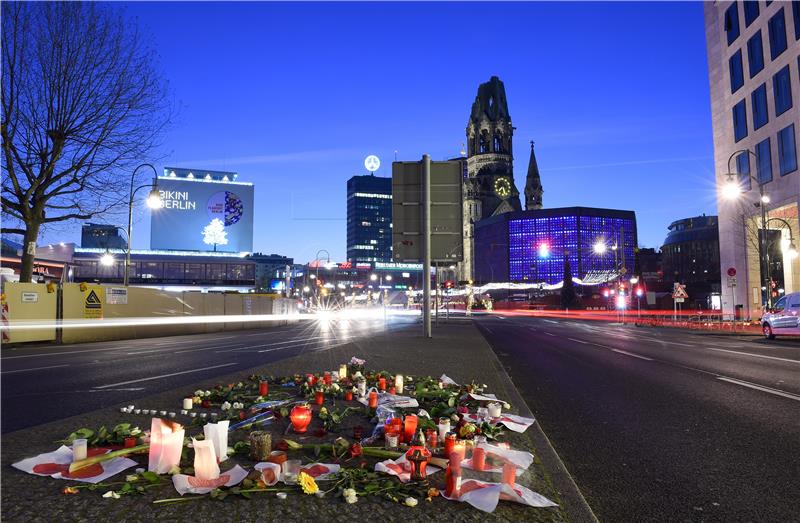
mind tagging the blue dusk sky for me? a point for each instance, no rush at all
(294, 96)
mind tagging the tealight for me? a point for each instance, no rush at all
(184, 412)
(193, 414)
(171, 414)
(203, 415)
(163, 412)
(494, 410)
(137, 411)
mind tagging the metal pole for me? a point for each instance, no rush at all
(426, 246)
(130, 226)
(764, 258)
(436, 293)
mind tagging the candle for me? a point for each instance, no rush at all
(479, 454)
(300, 418)
(398, 383)
(382, 383)
(319, 397)
(432, 438)
(342, 371)
(192, 414)
(203, 415)
(166, 443)
(79, 449)
(291, 469)
(452, 479)
(187, 403)
(509, 473)
(183, 411)
(263, 388)
(129, 442)
(449, 444)
(124, 409)
(409, 427)
(391, 440)
(277, 456)
(171, 414)
(326, 378)
(348, 396)
(444, 428)
(137, 411)
(205, 460)
(392, 390)
(494, 410)
(130, 408)
(362, 388)
(373, 399)
(217, 434)
(459, 450)
(163, 412)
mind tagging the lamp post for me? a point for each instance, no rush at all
(733, 190)
(153, 201)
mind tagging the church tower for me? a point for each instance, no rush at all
(533, 184)
(489, 187)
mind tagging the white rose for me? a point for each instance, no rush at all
(351, 500)
(131, 478)
(199, 392)
(208, 393)
(411, 502)
(506, 405)
(225, 406)
(111, 494)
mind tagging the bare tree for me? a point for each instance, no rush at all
(82, 101)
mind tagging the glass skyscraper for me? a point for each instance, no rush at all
(369, 219)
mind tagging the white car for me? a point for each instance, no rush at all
(783, 318)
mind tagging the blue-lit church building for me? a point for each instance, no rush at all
(530, 246)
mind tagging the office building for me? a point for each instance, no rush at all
(369, 219)
(690, 255)
(271, 271)
(531, 246)
(102, 236)
(754, 74)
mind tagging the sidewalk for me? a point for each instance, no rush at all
(457, 350)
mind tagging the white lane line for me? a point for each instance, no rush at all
(143, 352)
(163, 376)
(31, 370)
(632, 354)
(797, 362)
(578, 341)
(761, 388)
(500, 317)
(549, 333)
(65, 352)
(299, 345)
(551, 321)
(285, 342)
(487, 329)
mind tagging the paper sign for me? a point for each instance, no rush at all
(117, 296)
(30, 297)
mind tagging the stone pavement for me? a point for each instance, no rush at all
(457, 350)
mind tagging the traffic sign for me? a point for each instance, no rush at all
(679, 292)
(678, 300)
(731, 282)
(731, 272)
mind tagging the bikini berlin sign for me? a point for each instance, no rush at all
(189, 205)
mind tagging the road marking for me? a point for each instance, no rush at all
(143, 352)
(31, 370)
(760, 387)
(500, 317)
(549, 333)
(163, 376)
(632, 354)
(579, 341)
(487, 329)
(65, 352)
(296, 340)
(755, 355)
(551, 321)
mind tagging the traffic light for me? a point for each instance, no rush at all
(448, 284)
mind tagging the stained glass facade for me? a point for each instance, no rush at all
(530, 246)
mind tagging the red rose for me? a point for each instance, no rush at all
(242, 414)
(206, 404)
(355, 450)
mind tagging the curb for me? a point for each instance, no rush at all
(575, 504)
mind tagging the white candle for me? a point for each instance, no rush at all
(391, 441)
(205, 460)
(187, 403)
(444, 428)
(494, 410)
(79, 449)
(137, 411)
(217, 434)
(342, 371)
(171, 414)
(193, 414)
(362, 388)
(166, 442)
(184, 412)
(163, 413)
(398, 384)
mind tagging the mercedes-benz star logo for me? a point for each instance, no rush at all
(372, 163)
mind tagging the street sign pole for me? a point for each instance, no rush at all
(426, 246)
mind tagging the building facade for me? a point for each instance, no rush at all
(369, 219)
(531, 246)
(754, 74)
(690, 255)
(102, 236)
(489, 188)
(271, 271)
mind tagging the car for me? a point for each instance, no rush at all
(783, 318)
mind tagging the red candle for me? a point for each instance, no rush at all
(478, 458)
(449, 444)
(409, 427)
(509, 474)
(348, 396)
(392, 390)
(382, 383)
(432, 437)
(459, 450)
(319, 397)
(373, 399)
(326, 378)
(453, 479)
(300, 418)
(130, 442)
(263, 388)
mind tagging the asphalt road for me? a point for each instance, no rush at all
(50, 382)
(658, 425)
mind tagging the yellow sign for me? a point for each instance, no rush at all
(93, 302)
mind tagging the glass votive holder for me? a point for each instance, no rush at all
(79, 449)
(392, 440)
(291, 469)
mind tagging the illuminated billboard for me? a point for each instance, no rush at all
(205, 211)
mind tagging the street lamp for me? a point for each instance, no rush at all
(107, 259)
(153, 201)
(731, 190)
(599, 247)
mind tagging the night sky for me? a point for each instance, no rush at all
(294, 96)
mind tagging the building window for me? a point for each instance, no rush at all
(739, 121)
(732, 22)
(755, 54)
(764, 162)
(782, 87)
(760, 114)
(796, 16)
(736, 71)
(787, 150)
(743, 168)
(750, 12)
(777, 34)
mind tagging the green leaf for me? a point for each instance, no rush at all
(150, 476)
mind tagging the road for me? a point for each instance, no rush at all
(49, 382)
(659, 425)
